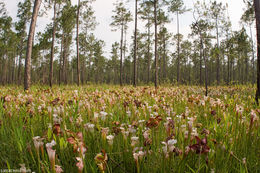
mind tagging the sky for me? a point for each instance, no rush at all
(103, 12)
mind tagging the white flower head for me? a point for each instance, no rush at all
(110, 139)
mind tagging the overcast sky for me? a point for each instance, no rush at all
(103, 11)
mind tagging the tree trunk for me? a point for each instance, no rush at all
(61, 56)
(78, 62)
(155, 44)
(27, 74)
(253, 54)
(164, 59)
(20, 63)
(53, 42)
(206, 70)
(121, 55)
(201, 54)
(178, 50)
(64, 61)
(124, 55)
(228, 69)
(148, 55)
(135, 46)
(257, 13)
(218, 61)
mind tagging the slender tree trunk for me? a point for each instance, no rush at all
(64, 61)
(20, 62)
(164, 59)
(257, 13)
(201, 55)
(206, 71)
(61, 56)
(124, 54)
(155, 44)
(253, 53)
(178, 49)
(27, 74)
(148, 53)
(121, 55)
(78, 61)
(218, 61)
(246, 70)
(53, 42)
(228, 68)
(14, 67)
(4, 79)
(135, 46)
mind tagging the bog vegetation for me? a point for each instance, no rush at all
(114, 129)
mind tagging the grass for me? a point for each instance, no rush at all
(171, 129)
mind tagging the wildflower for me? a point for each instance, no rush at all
(165, 149)
(135, 155)
(79, 120)
(194, 132)
(37, 141)
(134, 141)
(254, 117)
(244, 160)
(80, 164)
(89, 127)
(124, 132)
(49, 108)
(141, 121)
(103, 115)
(23, 168)
(146, 134)
(187, 111)
(96, 115)
(201, 146)
(239, 109)
(58, 169)
(101, 160)
(51, 153)
(168, 147)
(104, 132)
(169, 125)
(110, 139)
(56, 119)
(128, 113)
(131, 129)
(212, 170)
(153, 122)
(82, 149)
(138, 155)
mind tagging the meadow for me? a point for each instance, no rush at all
(125, 129)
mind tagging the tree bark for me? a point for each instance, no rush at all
(218, 61)
(178, 50)
(257, 13)
(135, 46)
(206, 70)
(27, 74)
(20, 62)
(201, 54)
(121, 55)
(253, 53)
(52, 46)
(61, 56)
(155, 44)
(164, 59)
(78, 61)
